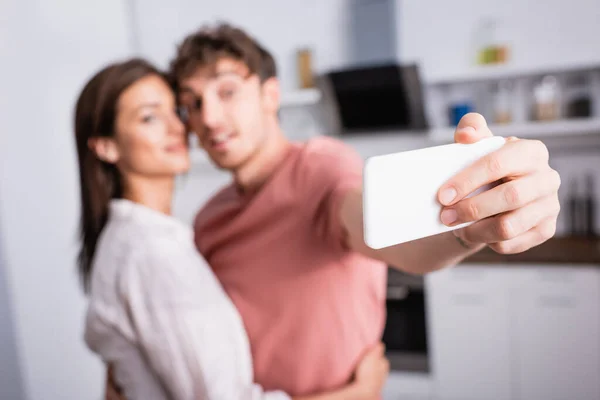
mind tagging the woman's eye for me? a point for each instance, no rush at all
(148, 118)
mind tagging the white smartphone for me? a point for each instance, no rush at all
(400, 190)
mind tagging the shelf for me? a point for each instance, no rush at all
(497, 72)
(563, 135)
(301, 97)
(532, 130)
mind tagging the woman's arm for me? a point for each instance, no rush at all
(370, 378)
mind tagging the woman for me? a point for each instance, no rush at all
(156, 312)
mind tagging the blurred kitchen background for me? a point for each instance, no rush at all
(382, 75)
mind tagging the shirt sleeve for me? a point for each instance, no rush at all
(332, 170)
(183, 331)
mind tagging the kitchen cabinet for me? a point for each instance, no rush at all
(556, 334)
(517, 332)
(469, 341)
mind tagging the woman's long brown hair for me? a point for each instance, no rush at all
(95, 116)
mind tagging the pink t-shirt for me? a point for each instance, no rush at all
(311, 306)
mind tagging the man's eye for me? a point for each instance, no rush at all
(227, 93)
(196, 104)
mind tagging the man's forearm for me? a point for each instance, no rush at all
(427, 254)
(416, 257)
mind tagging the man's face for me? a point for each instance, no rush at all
(228, 111)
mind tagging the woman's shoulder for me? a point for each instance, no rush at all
(122, 246)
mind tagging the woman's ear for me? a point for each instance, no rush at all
(105, 149)
(271, 93)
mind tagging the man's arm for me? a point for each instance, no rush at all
(514, 216)
(416, 257)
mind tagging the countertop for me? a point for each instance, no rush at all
(558, 250)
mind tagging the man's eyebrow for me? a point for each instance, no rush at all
(228, 73)
(187, 89)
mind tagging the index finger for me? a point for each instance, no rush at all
(514, 158)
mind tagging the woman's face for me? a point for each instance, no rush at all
(150, 139)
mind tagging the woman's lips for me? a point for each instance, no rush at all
(176, 148)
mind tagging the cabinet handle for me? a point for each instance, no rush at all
(557, 302)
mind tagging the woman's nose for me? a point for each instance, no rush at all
(176, 126)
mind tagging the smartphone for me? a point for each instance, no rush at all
(400, 190)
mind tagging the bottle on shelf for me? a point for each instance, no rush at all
(590, 206)
(305, 68)
(574, 214)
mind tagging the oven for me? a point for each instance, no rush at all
(405, 333)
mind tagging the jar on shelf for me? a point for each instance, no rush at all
(546, 99)
(491, 41)
(502, 103)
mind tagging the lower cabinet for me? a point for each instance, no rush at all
(515, 332)
(556, 335)
(469, 340)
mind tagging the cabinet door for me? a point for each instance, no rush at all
(557, 335)
(469, 333)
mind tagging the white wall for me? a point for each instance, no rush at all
(11, 384)
(282, 26)
(48, 49)
(543, 33)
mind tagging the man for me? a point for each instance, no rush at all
(285, 238)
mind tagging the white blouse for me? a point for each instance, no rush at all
(158, 314)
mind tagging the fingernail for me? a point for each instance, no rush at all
(468, 130)
(448, 216)
(447, 196)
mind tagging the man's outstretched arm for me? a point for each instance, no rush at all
(520, 213)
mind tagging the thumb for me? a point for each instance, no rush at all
(471, 128)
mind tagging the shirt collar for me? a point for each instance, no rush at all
(127, 209)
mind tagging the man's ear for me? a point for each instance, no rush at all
(105, 149)
(271, 93)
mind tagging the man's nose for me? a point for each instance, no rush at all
(212, 113)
